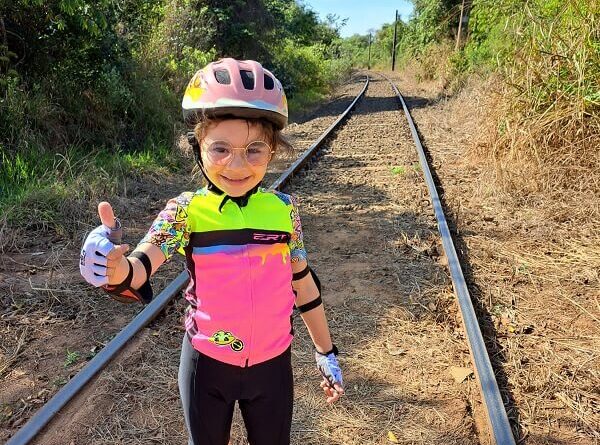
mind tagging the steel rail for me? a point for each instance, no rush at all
(310, 151)
(41, 418)
(496, 413)
(100, 360)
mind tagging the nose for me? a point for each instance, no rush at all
(238, 159)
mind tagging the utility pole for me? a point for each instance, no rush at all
(369, 62)
(460, 22)
(394, 46)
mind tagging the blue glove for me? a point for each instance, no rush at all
(328, 366)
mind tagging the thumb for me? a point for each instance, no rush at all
(107, 216)
(118, 251)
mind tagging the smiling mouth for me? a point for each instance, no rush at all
(236, 180)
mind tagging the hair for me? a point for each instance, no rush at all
(272, 135)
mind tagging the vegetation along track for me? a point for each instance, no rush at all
(371, 235)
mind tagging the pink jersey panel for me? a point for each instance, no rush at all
(244, 301)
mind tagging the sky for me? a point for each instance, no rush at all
(362, 15)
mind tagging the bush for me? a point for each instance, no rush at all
(306, 69)
(83, 81)
(550, 122)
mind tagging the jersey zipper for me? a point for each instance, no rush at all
(250, 292)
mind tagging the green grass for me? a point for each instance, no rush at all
(304, 101)
(71, 358)
(36, 187)
(398, 170)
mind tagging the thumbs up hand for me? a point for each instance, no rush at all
(110, 223)
(102, 260)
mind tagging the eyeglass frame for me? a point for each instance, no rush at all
(271, 151)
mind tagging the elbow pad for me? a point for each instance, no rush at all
(317, 301)
(304, 272)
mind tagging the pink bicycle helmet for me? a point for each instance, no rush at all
(241, 88)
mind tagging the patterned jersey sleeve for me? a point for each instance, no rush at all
(296, 243)
(169, 231)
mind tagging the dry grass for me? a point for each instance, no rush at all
(535, 265)
(546, 128)
(543, 161)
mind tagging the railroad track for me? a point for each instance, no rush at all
(372, 222)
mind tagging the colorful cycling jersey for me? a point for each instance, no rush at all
(239, 261)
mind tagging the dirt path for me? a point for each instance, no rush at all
(534, 271)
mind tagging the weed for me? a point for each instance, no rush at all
(398, 170)
(71, 358)
(59, 381)
(548, 114)
(522, 269)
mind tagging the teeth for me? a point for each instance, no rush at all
(231, 179)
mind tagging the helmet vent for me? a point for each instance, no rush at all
(269, 84)
(247, 79)
(223, 77)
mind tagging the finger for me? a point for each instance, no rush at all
(97, 259)
(338, 388)
(117, 252)
(97, 281)
(334, 398)
(107, 216)
(99, 271)
(334, 395)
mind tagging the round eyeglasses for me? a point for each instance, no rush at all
(257, 153)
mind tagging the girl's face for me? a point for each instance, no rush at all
(235, 177)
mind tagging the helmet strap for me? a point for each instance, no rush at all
(240, 200)
(193, 141)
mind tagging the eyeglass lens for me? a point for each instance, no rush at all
(221, 152)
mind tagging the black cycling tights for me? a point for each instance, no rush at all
(209, 389)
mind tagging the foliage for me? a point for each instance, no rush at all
(551, 118)
(548, 112)
(71, 358)
(86, 80)
(432, 21)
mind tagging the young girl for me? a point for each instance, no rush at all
(245, 257)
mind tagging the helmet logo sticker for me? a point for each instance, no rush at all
(194, 93)
(196, 81)
(194, 90)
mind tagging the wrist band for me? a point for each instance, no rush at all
(125, 293)
(145, 261)
(333, 350)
